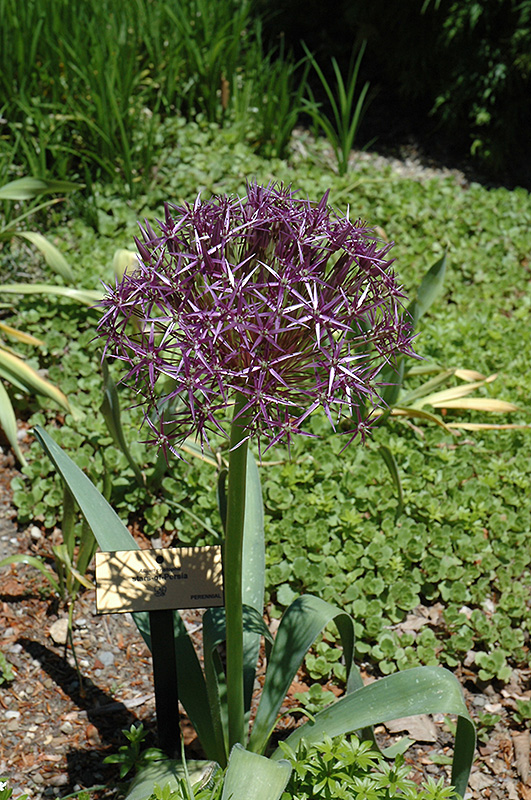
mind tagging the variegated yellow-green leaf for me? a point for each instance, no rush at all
(33, 561)
(88, 297)
(477, 404)
(470, 375)
(28, 376)
(485, 426)
(25, 338)
(53, 257)
(8, 423)
(442, 397)
(418, 413)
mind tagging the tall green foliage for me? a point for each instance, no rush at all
(85, 84)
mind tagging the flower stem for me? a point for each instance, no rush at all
(233, 573)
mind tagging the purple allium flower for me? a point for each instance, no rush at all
(276, 298)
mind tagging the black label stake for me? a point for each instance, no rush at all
(165, 681)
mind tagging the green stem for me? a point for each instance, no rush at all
(233, 574)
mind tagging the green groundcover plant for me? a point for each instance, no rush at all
(272, 307)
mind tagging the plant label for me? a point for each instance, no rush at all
(151, 580)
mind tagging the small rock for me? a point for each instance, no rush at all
(35, 533)
(105, 657)
(58, 780)
(15, 648)
(66, 728)
(93, 735)
(9, 632)
(12, 714)
(80, 623)
(59, 631)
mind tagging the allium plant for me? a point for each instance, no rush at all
(272, 302)
(274, 306)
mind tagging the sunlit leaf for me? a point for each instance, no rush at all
(13, 365)
(27, 188)
(20, 336)
(53, 257)
(87, 297)
(421, 690)
(8, 423)
(478, 404)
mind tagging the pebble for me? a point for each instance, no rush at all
(59, 631)
(105, 657)
(12, 714)
(58, 780)
(35, 533)
(80, 623)
(66, 728)
(9, 632)
(15, 648)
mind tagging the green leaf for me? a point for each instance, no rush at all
(8, 423)
(300, 626)
(253, 572)
(112, 535)
(110, 408)
(390, 463)
(214, 634)
(85, 296)
(27, 188)
(12, 365)
(430, 288)
(421, 690)
(253, 777)
(33, 561)
(106, 525)
(53, 257)
(170, 773)
(191, 681)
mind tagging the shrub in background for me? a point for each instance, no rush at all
(466, 64)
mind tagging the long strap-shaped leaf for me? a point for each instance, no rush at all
(253, 573)
(8, 423)
(214, 634)
(300, 626)
(88, 297)
(422, 690)
(253, 777)
(13, 366)
(112, 535)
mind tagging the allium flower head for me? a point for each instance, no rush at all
(270, 296)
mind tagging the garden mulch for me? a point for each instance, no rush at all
(56, 731)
